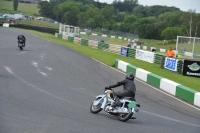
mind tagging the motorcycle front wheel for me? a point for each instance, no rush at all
(96, 108)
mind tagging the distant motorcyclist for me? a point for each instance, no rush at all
(21, 37)
(128, 91)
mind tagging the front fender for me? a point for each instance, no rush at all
(99, 98)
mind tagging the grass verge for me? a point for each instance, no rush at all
(39, 23)
(109, 58)
(28, 9)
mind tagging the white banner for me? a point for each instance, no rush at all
(171, 64)
(144, 55)
(5, 24)
(83, 33)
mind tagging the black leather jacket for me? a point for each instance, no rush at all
(128, 85)
(21, 37)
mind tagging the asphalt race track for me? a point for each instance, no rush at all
(48, 88)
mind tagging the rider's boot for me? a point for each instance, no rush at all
(115, 104)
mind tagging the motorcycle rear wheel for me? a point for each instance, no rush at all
(21, 48)
(124, 117)
(95, 108)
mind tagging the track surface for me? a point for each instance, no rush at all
(48, 88)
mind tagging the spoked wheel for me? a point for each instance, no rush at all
(96, 108)
(125, 117)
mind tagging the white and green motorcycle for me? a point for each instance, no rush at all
(127, 110)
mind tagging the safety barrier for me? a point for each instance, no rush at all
(37, 28)
(114, 48)
(70, 39)
(93, 43)
(158, 58)
(77, 40)
(131, 53)
(182, 92)
(103, 46)
(60, 36)
(56, 35)
(84, 42)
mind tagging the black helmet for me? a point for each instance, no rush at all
(130, 76)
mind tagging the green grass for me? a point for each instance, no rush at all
(40, 23)
(109, 58)
(28, 9)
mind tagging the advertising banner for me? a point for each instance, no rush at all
(144, 55)
(171, 64)
(191, 68)
(5, 24)
(124, 51)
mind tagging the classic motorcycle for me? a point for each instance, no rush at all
(21, 44)
(127, 110)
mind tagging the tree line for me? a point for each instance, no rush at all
(150, 22)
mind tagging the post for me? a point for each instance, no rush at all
(176, 46)
(162, 62)
(193, 48)
(180, 66)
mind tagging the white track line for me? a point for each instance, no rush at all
(33, 86)
(171, 119)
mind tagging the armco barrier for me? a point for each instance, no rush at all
(182, 92)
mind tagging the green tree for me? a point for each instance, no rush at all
(91, 23)
(15, 4)
(67, 12)
(82, 19)
(171, 33)
(45, 9)
(145, 27)
(123, 27)
(129, 19)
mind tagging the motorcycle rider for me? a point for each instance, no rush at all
(128, 91)
(21, 37)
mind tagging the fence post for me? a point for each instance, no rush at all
(180, 66)
(162, 62)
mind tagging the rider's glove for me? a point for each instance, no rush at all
(107, 88)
